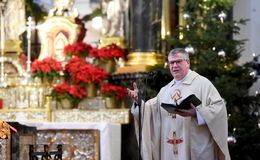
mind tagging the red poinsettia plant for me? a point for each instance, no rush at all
(47, 67)
(108, 52)
(73, 93)
(81, 72)
(79, 49)
(110, 90)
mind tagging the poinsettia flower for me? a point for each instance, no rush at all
(108, 52)
(79, 49)
(47, 67)
(94, 53)
(81, 72)
(109, 90)
(65, 90)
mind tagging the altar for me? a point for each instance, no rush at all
(84, 134)
(81, 140)
(92, 129)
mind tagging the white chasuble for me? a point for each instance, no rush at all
(168, 136)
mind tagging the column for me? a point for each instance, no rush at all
(145, 36)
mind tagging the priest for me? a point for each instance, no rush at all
(197, 133)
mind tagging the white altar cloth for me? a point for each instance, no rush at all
(110, 135)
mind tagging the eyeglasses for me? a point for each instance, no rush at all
(178, 62)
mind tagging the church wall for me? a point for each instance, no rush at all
(249, 9)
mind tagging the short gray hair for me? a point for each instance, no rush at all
(179, 50)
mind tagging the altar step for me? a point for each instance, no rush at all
(121, 116)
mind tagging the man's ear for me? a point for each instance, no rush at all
(188, 61)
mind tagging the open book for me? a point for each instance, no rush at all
(184, 104)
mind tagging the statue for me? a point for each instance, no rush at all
(63, 8)
(115, 10)
(14, 16)
(62, 27)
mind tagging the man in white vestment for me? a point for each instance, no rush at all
(198, 133)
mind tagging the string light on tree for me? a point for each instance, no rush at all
(231, 140)
(222, 53)
(255, 64)
(190, 49)
(186, 16)
(253, 74)
(222, 16)
(188, 27)
(213, 48)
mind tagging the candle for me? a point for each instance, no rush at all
(1, 104)
(29, 29)
(2, 44)
(2, 33)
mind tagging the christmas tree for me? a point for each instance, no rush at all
(207, 34)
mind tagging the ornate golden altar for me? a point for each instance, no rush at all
(30, 105)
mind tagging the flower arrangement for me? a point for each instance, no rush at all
(109, 90)
(81, 76)
(108, 52)
(73, 93)
(81, 72)
(79, 49)
(47, 67)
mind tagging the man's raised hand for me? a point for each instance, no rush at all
(133, 93)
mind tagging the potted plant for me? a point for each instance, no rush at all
(47, 68)
(107, 56)
(112, 94)
(82, 73)
(68, 94)
(79, 49)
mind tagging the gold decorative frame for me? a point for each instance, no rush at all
(141, 62)
(121, 116)
(52, 27)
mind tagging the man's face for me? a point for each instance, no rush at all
(178, 66)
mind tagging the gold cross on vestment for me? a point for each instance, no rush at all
(176, 95)
(174, 141)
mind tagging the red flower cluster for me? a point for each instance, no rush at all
(79, 49)
(82, 72)
(109, 90)
(46, 67)
(108, 52)
(73, 92)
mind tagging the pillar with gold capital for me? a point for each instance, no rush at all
(145, 36)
